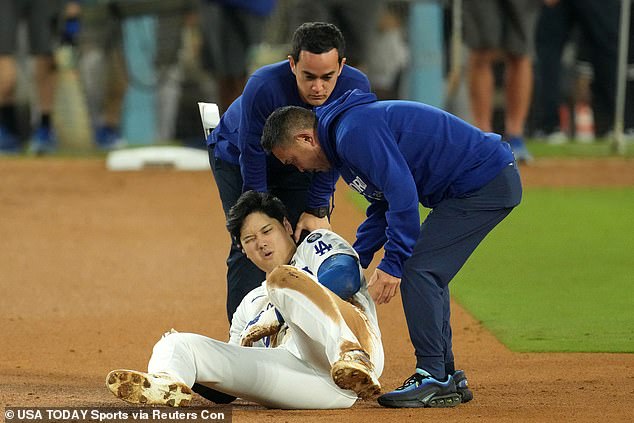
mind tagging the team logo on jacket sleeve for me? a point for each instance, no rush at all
(358, 185)
(362, 188)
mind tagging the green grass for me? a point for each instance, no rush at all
(557, 274)
(600, 148)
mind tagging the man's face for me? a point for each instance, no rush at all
(316, 75)
(304, 152)
(267, 242)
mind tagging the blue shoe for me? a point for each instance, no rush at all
(108, 138)
(43, 141)
(520, 151)
(8, 142)
(462, 386)
(422, 390)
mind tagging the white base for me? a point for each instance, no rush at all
(180, 158)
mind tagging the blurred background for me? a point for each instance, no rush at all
(130, 72)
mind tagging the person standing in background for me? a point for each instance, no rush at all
(314, 74)
(230, 29)
(40, 16)
(599, 25)
(357, 20)
(505, 30)
(400, 155)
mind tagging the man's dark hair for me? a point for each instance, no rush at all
(252, 202)
(317, 38)
(282, 122)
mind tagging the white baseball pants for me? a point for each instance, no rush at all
(293, 375)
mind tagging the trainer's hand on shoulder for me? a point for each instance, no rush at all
(383, 286)
(309, 222)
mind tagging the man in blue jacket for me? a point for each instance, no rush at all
(314, 74)
(399, 154)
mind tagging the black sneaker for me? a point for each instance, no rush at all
(422, 390)
(462, 386)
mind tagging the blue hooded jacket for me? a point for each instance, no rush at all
(399, 154)
(237, 136)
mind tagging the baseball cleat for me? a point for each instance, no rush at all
(145, 388)
(355, 372)
(421, 390)
(462, 386)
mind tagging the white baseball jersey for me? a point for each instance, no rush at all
(318, 246)
(293, 371)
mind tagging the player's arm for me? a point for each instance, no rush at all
(317, 215)
(371, 233)
(386, 168)
(254, 319)
(267, 322)
(249, 307)
(256, 106)
(374, 150)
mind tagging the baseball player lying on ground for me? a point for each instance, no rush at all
(294, 342)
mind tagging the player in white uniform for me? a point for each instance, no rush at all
(293, 342)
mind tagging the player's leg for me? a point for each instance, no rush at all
(272, 377)
(8, 76)
(552, 32)
(242, 31)
(459, 376)
(448, 237)
(356, 20)
(600, 22)
(521, 16)
(41, 14)
(482, 34)
(291, 187)
(242, 275)
(329, 332)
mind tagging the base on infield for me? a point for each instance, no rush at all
(179, 158)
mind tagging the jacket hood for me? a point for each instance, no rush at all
(328, 115)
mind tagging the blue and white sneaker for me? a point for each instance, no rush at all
(43, 141)
(521, 153)
(462, 386)
(8, 142)
(421, 390)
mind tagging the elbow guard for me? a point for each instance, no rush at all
(340, 273)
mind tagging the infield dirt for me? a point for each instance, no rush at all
(96, 265)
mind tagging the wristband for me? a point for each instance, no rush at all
(318, 211)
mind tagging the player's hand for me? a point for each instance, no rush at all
(309, 222)
(267, 323)
(383, 286)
